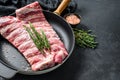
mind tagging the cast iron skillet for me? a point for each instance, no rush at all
(12, 62)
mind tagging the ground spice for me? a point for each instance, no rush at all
(72, 19)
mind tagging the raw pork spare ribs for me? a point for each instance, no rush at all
(12, 29)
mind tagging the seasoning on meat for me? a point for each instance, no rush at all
(39, 38)
(12, 29)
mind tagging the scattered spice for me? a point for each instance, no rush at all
(84, 38)
(27, 69)
(73, 19)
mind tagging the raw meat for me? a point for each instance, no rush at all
(12, 29)
(31, 12)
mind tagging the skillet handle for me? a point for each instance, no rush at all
(62, 6)
(6, 72)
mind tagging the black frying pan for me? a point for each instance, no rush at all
(12, 62)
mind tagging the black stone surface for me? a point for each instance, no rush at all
(102, 63)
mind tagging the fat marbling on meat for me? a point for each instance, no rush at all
(12, 29)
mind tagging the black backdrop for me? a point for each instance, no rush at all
(102, 63)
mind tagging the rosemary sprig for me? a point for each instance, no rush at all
(39, 39)
(45, 40)
(84, 38)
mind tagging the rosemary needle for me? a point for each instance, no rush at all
(39, 39)
(84, 39)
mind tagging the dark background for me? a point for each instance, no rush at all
(102, 63)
